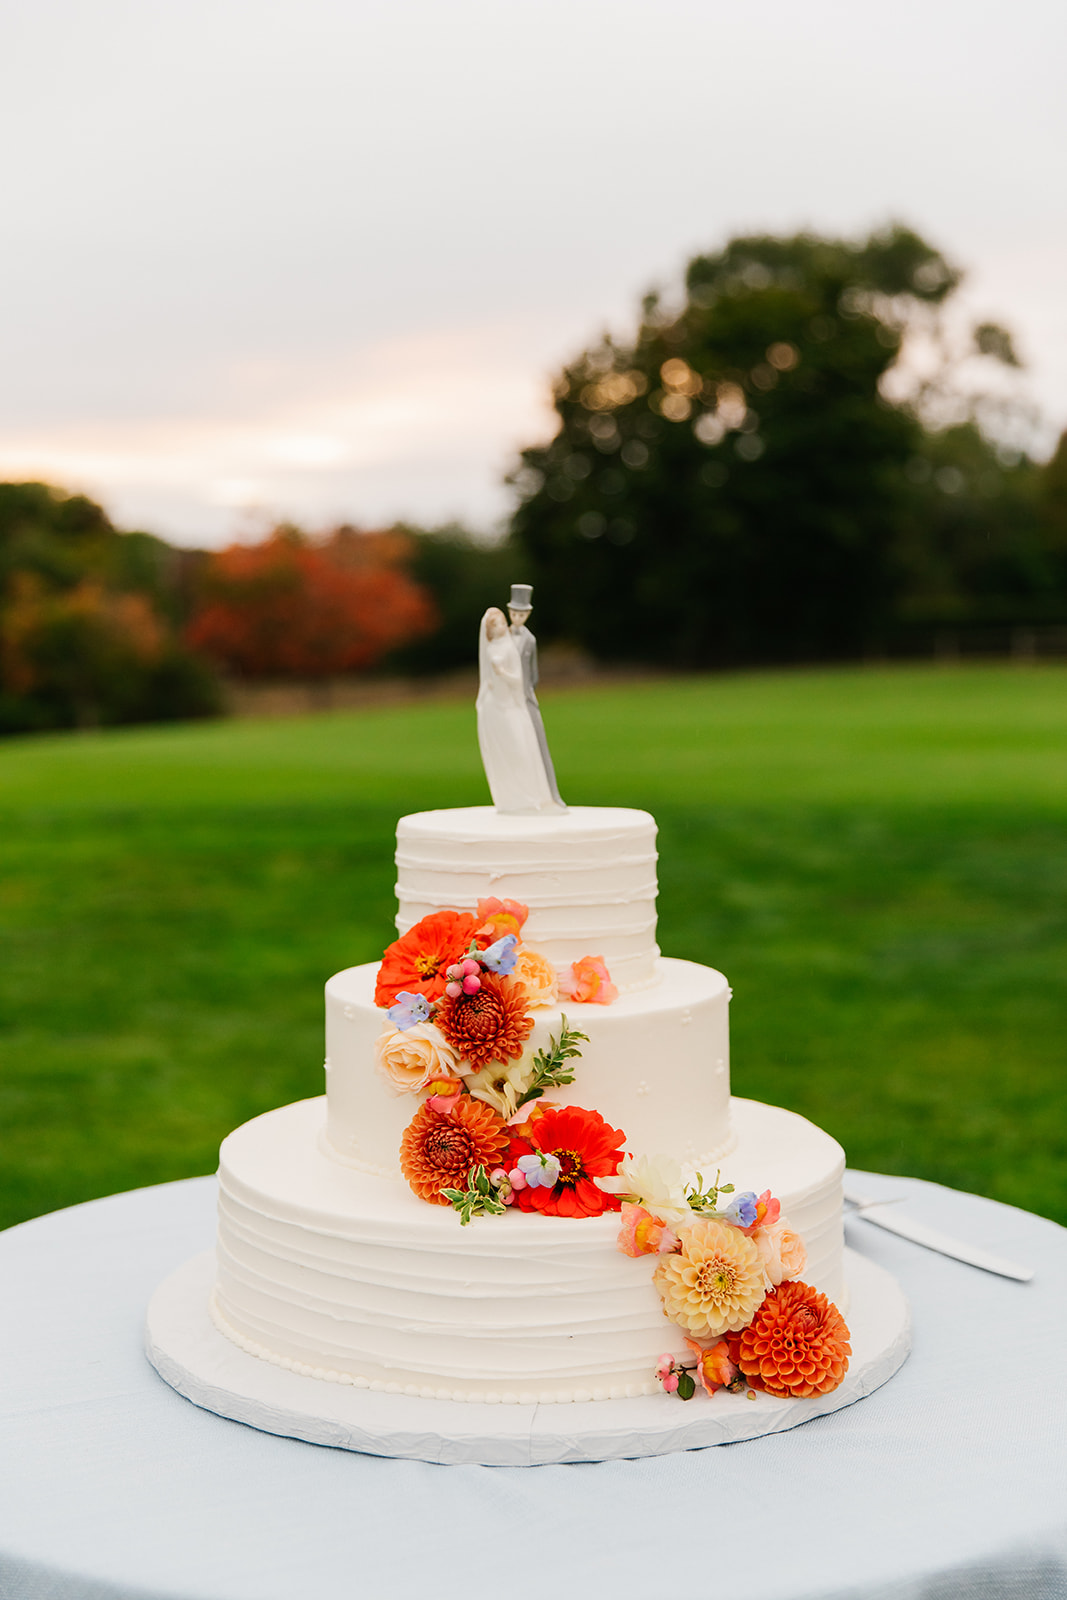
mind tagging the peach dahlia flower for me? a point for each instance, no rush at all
(715, 1284)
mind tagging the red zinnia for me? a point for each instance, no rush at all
(796, 1344)
(417, 960)
(490, 1025)
(440, 1151)
(586, 1147)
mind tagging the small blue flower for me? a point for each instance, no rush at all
(501, 957)
(742, 1209)
(408, 1010)
(541, 1171)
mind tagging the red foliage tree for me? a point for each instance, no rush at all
(293, 607)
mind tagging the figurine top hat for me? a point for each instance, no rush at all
(521, 597)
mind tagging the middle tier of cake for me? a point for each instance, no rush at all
(656, 1065)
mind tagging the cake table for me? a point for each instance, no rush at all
(949, 1482)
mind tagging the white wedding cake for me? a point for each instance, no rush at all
(332, 1263)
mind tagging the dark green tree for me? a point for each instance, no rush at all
(1052, 512)
(731, 485)
(465, 578)
(971, 550)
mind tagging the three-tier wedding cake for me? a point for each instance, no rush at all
(330, 1260)
(524, 1101)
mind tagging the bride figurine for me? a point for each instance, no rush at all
(511, 755)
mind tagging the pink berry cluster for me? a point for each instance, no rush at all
(464, 977)
(501, 1182)
(674, 1378)
(667, 1371)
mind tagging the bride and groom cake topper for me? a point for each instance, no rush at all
(511, 734)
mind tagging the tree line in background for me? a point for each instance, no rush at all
(99, 626)
(756, 476)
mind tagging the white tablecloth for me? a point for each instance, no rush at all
(950, 1483)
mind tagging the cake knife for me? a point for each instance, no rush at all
(918, 1232)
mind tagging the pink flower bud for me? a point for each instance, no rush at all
(471, 984)
(664, 1365)
(670, 1382)
(470, 966)
(497, 1176)
(455, 971)
(453, 990)
(517, 1178)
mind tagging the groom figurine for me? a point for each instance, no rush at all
(519, 608)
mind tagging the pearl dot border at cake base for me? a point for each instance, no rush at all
(212, 1372)
(527, 1397)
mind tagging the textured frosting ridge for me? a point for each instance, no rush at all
(329, 1265)
(350, 1277)
(587, 874)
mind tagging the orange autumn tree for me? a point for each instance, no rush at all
(294, 606)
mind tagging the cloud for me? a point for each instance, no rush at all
(420, 427)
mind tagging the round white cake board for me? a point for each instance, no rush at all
(189, 1352)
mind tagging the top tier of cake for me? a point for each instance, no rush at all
(655, 1061)
(588, 876)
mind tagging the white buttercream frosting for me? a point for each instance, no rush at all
(656, 1065)
(329, 1265)
(587, 874)
(343, 1274)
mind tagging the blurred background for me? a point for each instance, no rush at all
(740, 334)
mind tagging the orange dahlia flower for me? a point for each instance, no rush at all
(439, 1151)
(796, 1344)
(418, 959)
(586, 1147)
(490, 1025)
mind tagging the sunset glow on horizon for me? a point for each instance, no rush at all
(320, 262)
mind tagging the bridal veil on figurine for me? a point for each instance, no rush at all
(511, 734)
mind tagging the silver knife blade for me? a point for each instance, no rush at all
(918, 1232)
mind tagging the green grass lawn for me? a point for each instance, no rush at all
(878, 859)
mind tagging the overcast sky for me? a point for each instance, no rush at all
(319, 258)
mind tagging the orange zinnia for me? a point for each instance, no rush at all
(796, 1344)
(490, 1025)
(586, 1148)
(440, 1151)
(417, 960)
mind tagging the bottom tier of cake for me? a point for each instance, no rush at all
(335, 1273)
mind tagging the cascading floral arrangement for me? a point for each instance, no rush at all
(728, 1274)
(458, 989)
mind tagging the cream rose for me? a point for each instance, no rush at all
(657, 1183)
(782, 1252)
(410, 1058)
(537, 976)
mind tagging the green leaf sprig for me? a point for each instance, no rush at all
(479, 1199)
(701, 1199)
(550, 1066)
